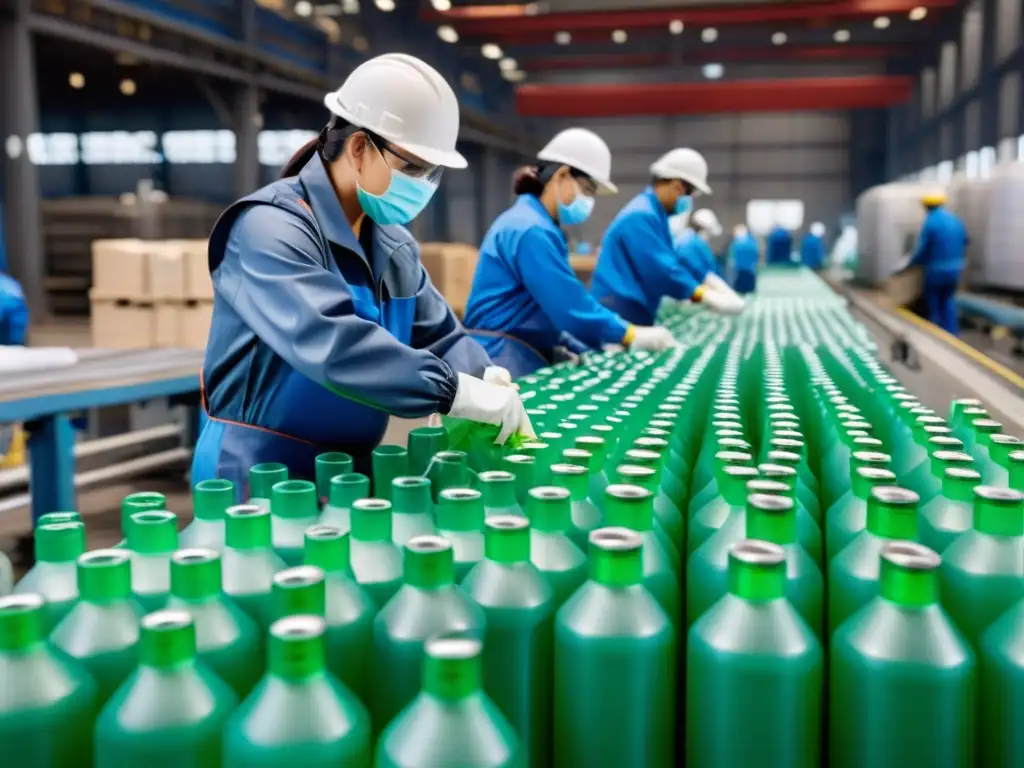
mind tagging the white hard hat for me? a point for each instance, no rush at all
(405, 101)
(585, 151)
(705, 219)
(818, 229)
(688, 165)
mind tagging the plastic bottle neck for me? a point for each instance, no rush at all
(616, 558)
(140, 502)
(1017, 470)
(550, 509)
(195, 574)
(328, 549)
(329, 466)
(389, 462)
(598, 447)
(909, 575)
(60, 542)
(448, 469)
(167, 640)
(452, 673)
(424, 443)
(1000, 447)
(507, 539)
(153, 533)
(733, 485)
(347, 489)
(525, 470)
(958, 484)
(104, 576)
(428, 563)
(629, 506)
(299, 591)
(567, 476)
(211, 498)
(297, 648)
(371, 520)
(998, 511)
(21, 623)
(757, 571)
(772, 519)
(294, 500)
(498, 489)
(263, 477)
(892, 516)
(247, 527)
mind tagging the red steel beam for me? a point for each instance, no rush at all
(705, 98)
(514, 19)
(706, 55)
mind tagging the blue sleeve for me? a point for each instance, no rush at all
(543, 266)
(271, 277)
(13, 311)
(437, 330)
(693, 261)
(920, 256)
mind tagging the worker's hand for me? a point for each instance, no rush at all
(652, 339)
(713, 282)
(495, 374)
(487, 403)
(723, 303)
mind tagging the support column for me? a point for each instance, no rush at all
(492, 189)
(19, 117)
(247, 122)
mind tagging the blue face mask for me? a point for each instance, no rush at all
(684, 204)
(577, 211)
(403, 200)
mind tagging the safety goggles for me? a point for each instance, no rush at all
(587, 185)
(405, 165)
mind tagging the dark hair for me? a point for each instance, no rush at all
(532, 179)
(688, 188)
(328, 143)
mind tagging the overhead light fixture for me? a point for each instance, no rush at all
(385, 5)
(448, 34)
(709, 34)
(563, 38)
(128, 87)
(491, 51)
(779, 38)
(619, 36)
(508, 64)
(303, 8)
(841, 35)
(76, 80)
(350, 7)
(916, 14)
(676, 27)
(441, 5)
(713, 71)
(514, 75)
(882, 22)
(532, 9)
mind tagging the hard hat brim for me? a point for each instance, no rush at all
(604, 186)
(661, 172)
(447, 158)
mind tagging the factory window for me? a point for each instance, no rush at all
(277, 147)
(199, 147)
(763, 215)
(53, 148)
(1008, 38)
(120, 148)
(944, 171)
(986, 159)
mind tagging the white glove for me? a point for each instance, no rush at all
(487, 403)
(723, 303)
(713, 282)
(652, 338)
(495, 374)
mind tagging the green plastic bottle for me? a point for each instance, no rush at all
(926, 478)
(451, 721)
(615, 664)
(412, 509)
(598, 446)
(853, 574)
(54, 575)
(670, 525)
(299, 714)
(172, 710)
(499, 493)
(552, 550)
(293, 508)
(448, 469)
(101, 631)
(585, 515)
(424, 443)
(329, 466)
(754, 669)
(228, 641)
(518, 605)
(982, 571)
(1016, 474)
(849, 515)
(348, 610)
(51, 518)
(460, 519)
(152, 539)
(47, 701)
(249, 562)
(262, 479)
(143, 501)
(429, 603)
(950, 514)
(630, 506)
(997, 472)
(1001, 668)
(525, 469)
(732, 484)
(210, 500)
(376, 561)
(902, 678)
(389, 462)
(345, 490)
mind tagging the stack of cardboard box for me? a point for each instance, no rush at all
(150, 294)
(451, 267)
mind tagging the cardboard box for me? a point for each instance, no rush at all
(198, 284)
(119, 324)
(195, 324)
(120, 268)
(451, 267)
(904, 288)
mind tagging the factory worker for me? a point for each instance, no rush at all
(743, 252)
(526, 301)
(13, 311)
(697, 255)
(324, 321)
(940, 253)
(778, 245)
(812, 247)
(638, 263)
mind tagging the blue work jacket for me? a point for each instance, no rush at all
(744, 253)
(779, 246)
(13, 311)
(812, 251)
(941, 245)
(696, 255)
(317, 335)
(638, 263)
(526, 300)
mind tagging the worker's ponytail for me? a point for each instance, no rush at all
(329, 143)
(300, 158)
(526, 181)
